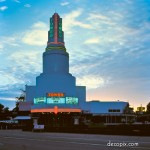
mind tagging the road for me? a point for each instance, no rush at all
(21, 140)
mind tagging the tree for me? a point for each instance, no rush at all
(6, 110)
(22, 95)
(18, 99)
(128, 109)
(140, 110)
(148, 108)
(16, 109)
(1, 108)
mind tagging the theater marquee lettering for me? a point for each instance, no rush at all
(55, 94)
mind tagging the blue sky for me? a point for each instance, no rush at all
(108, 42)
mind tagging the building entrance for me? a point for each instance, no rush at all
(59, 120)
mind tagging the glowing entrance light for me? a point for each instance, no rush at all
(55, 110)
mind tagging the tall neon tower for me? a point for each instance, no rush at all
(55, 86)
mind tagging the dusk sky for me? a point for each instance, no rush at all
(108, 42)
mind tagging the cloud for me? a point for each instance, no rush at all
(95, 40)
(26, 61)
(90, 81)
(39, 25)
(20, 72)
(70, 21)
(27, 5)
(106, 29)
(8, 98)
(8, 41)
(82, 25)
(17, 1)
(2, 0)
(1, 47)
(3, 8)
(113, 33)
(64, 3)
(98, 20)
(8, 78)
(97, 16)
(37, 35)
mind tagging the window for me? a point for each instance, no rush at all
(113, 110)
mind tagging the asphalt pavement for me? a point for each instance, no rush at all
(22, 140)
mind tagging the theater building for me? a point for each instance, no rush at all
(56, 99)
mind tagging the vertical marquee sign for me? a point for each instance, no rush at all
(51, 28)
(60, 28)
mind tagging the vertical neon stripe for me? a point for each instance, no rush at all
(56, 29)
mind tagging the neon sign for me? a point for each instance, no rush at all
(60, 28)
(56, 100)
(55, 94)
(71, 100)
(51, 28)
(39, 100)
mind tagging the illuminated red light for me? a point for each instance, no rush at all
(56, 110)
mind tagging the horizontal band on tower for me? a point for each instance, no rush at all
(55, 48)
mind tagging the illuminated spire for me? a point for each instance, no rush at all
(55, 34)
